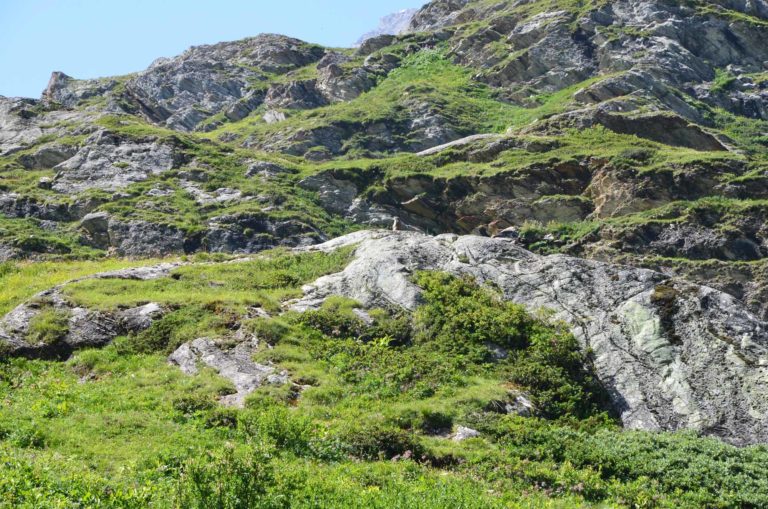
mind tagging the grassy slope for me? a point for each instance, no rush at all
(119, 427)
(21, 280)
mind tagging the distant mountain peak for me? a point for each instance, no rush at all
(392, 24)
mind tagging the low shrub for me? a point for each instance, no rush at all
(278, 425)
(230, 478)
(193, 404)
(373, 441)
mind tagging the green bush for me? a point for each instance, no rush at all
(374, 441)
(637, 154)
(269, 330)
(193, 404)
(228, 479)
(335, 319)
(172, 330)
(221, 418)
(279, 425)
(461, 318)
(558, 376)
(28, 437)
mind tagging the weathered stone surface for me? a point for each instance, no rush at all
(221, 195)
(47, 156)
(20, 206)
(438, 14)
(234, 364)
(295, 95)
(335, 195)
(25, 121)
(143, 239)
(69, 92)
(375, 43)
(110, 162)
(389, 25)
(86, 328)
(182, 92)
(339, 83)
(464, 433)
(340, 196)
(267, 170)
(673, 355)
(131, 237)
(250, 233)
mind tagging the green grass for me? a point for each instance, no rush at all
(265, 281)
(48, 327)
(115, 428)
(21, 280)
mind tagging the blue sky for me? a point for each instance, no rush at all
(93, 38)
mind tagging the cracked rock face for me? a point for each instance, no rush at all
(183, 91)
(86, 328)
(667, 42)
(234, 364)
(672, 355)
(22, 124)
(111, 162)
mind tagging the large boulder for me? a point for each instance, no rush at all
(78, 327)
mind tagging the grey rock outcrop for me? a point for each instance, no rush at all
(438, 14)
(23, 122)
(110, 162)
(234, 364)
(243, 233)
(184, 91)
(267, 170)
(47, 156)
(391, 24)
(131, 237)
(295, 95)
(250, 233)
(464, 433)
(672, 355)
(341, 196)
(338, 83)
(68, 92)
(85, 327)
(20, 206)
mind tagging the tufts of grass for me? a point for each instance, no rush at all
(49, 327)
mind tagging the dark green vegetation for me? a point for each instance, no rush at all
(367, 423)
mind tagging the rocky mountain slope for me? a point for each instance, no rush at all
(392, 24)
(583, 189)
(631, 131)
(396, 352)
(672, 355)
